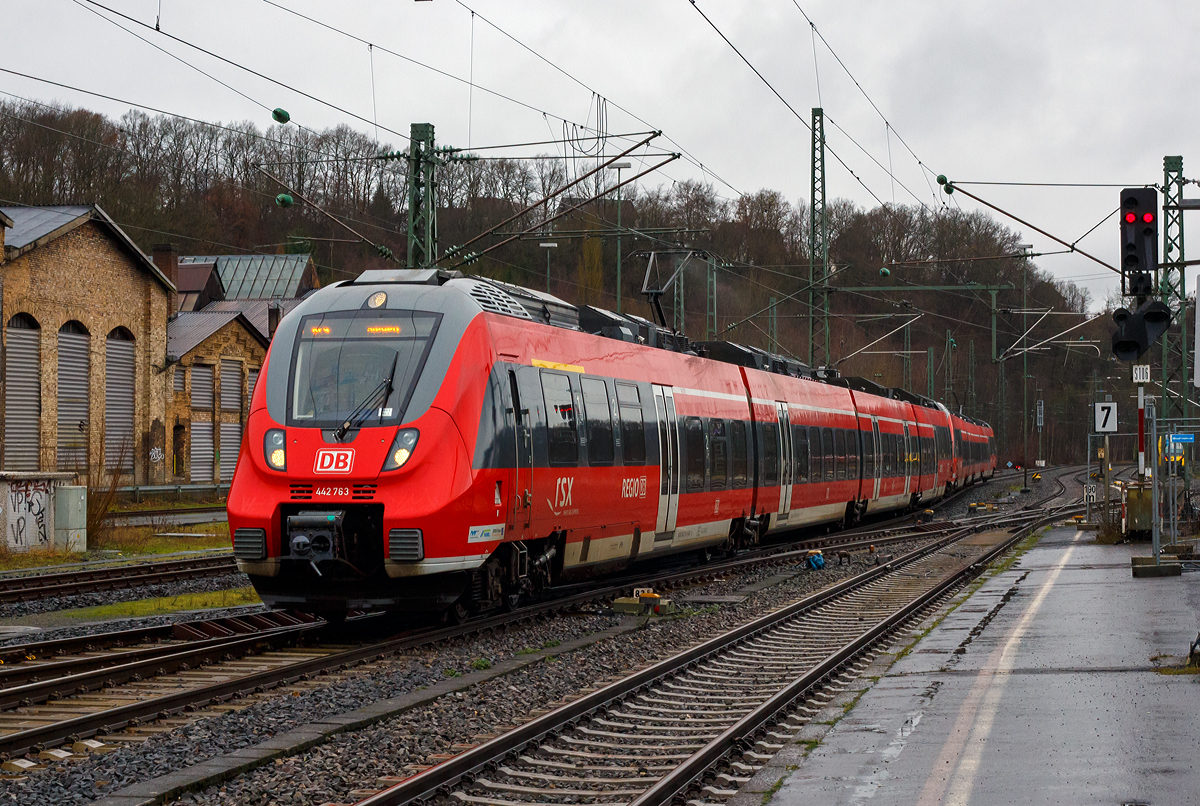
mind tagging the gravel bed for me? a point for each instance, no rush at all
(21, 609)
(354, 761)
(80, 782)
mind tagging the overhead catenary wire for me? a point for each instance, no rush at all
(232, 63)
(686, 154)
(926, 171)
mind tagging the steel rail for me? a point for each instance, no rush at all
(42, 586)
(88, 725)
(438, 778)
(116, 718)
(686, 774)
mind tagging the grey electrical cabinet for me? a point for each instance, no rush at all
(70, 518)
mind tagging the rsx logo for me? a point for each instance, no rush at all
(334, 461)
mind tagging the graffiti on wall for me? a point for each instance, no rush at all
(29, 514)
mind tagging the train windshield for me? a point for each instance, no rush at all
(342, 357)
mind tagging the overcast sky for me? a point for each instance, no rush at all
(1048, 92)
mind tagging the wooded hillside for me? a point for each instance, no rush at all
(162, 178)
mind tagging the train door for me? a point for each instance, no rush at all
(785, 459)
(523, 435)
(669, 472)
(878, 463)
(906, 447)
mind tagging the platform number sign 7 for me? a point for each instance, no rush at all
(1106, 418)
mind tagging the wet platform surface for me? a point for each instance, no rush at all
(1044, 686)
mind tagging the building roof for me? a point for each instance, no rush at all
(194, 276)
(5, 221)
(36, 226)
(256, 276)
(255, 310)
(188, 329)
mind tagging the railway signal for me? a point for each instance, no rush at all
(1143, 326)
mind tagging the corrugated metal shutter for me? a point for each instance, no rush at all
(231, 443)
(118, 404)
(202, 452)
(231, 385)
(202, 386)
(179, 379)
(73, 400)
(252, 375)
(23, 412)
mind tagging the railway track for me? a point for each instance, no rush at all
(659, 734)
(30, 587)
(127, 679)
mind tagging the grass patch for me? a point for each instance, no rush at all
(528, 651)
(130, 541)
(451, 672)
(551, 644)
(167, 604)
(481, 664)
(770, 793)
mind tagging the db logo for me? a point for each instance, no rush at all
(328, 461)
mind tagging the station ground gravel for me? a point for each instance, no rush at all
(329, 772)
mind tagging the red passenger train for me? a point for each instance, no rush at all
(420, 440)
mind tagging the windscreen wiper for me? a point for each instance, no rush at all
(363, 410)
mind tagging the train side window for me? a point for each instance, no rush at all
(830, 452)
(770, 455)
(816, 455)
(800, 454)
(693, 441)
(889, 455)
(737, 447)
(596, 409)
(852, 454)
(839, 442)
(633, 429)
(720, 455)
(868, 454)
(560, 419)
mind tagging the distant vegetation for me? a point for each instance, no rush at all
(163, 178)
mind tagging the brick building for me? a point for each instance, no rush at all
(85, 339)
(216, 358)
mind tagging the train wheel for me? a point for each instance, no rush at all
(457, 613)
(510, 601)
(704, 555)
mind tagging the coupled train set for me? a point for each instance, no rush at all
(421, 440)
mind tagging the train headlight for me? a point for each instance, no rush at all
(275, 449)
(402, 448)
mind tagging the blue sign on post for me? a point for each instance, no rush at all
(1183, 437)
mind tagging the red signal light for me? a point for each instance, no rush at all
(1130, 217)
(1148, 218)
